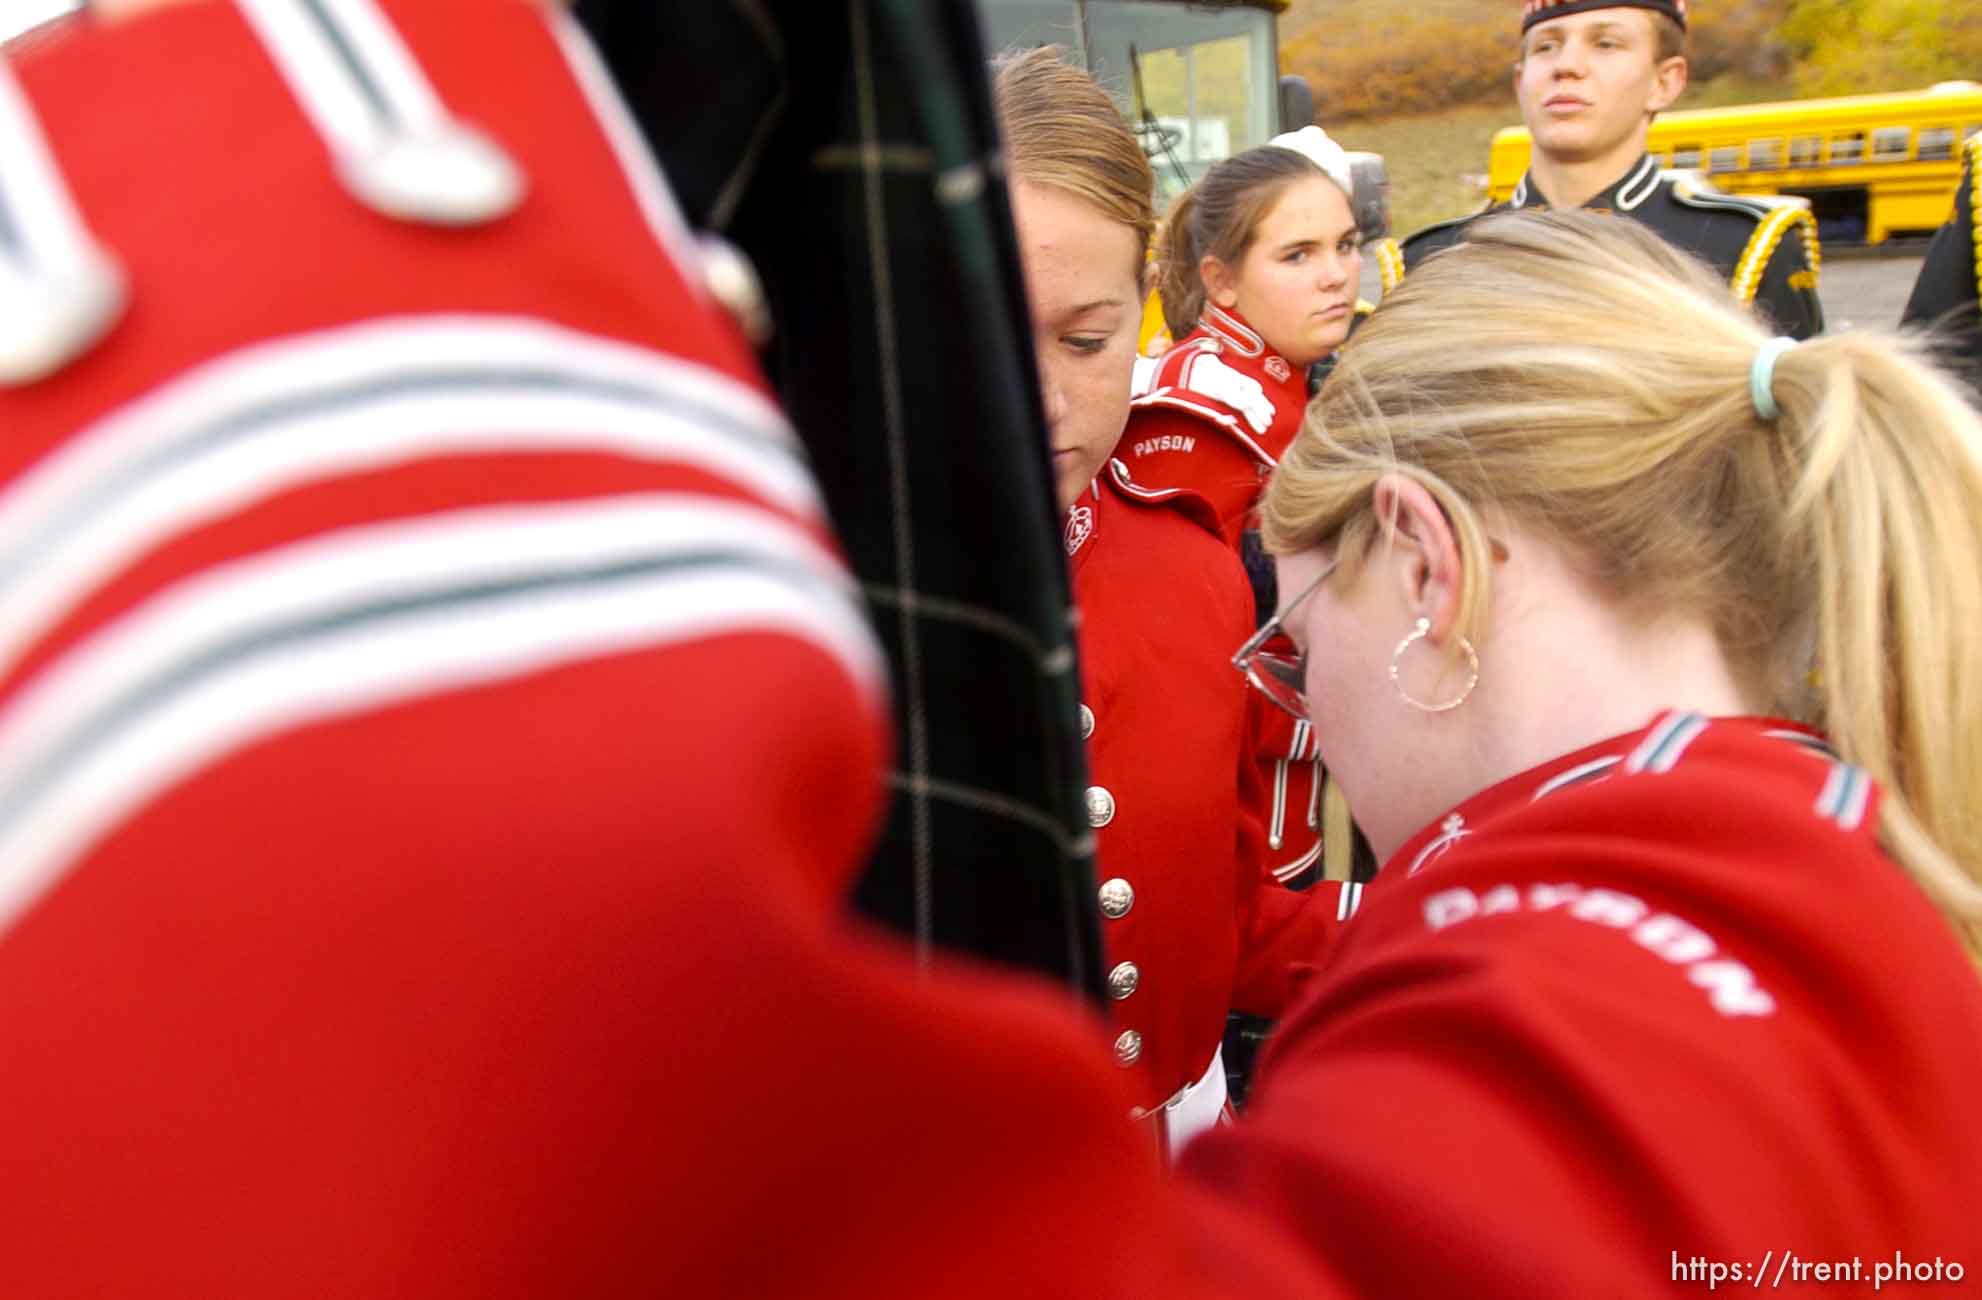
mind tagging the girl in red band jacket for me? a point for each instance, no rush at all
(1260, 269)
(1191, 924)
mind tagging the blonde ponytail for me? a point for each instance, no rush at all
(1889, 506)
(1581, 375)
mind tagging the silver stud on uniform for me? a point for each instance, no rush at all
(1128, 1047)
(1100, 806)
(1086, 722)
(1123, 980)
(1117, 897)
(732, 281)
(447, 175)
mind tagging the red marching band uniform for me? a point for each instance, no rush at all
(1193, 925)
(1648, 1009)
(422, 642)
(435, 735)
(1213, 416)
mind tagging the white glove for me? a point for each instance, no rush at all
(1214, 379)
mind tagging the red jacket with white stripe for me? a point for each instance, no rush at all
(1215, 416)
(1659, 1001)
(1192, 923)
(1217, 412)
(410, 602)
(479, 962)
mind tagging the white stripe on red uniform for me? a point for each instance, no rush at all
(372, 616)
(289, 413)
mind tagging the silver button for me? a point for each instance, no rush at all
(448, 174)
(1117, 897)
(1100, 806)
(1086, 722)
(1123, 980)
(732, 281)
(1128, 1047)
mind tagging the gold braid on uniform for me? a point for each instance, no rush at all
(1974, 162)
(1762, 246)
(1390, 263)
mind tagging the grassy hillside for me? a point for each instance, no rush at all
(1437, 161)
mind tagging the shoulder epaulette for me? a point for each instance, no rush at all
(1393, 274)
(1448, 224)
(1775, 215)
(1389, 263)
(1119, 473)
(1194, 507)
(1193, 378)
(1696, 191)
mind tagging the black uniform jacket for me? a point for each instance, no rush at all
(1766, 247)
(1945, 296)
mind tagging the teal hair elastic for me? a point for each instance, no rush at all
(1762, 376)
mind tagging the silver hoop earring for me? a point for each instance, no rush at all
(1396, 679)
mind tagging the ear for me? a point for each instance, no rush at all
(1220, 285)
(1427, 568)
(1668, 82)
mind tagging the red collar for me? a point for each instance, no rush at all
(1653, 747)
(1080, 524)
(1243, 348)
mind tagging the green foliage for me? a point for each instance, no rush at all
(1383, 58)
(1426, 82)
(1740, 37)
(1371, 67)
(1846, 47)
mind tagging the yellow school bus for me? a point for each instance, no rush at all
(1872, 166)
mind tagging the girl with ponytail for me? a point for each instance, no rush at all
(1648, 651)
(1257, 268)
(1258, 271)
(1191, 926)
(1710, 520)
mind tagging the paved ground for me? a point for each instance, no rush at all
(1857, 289)
(1868, 291)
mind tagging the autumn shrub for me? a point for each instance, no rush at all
(1845, 47)
(1374, 71)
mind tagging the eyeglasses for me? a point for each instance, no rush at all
(1278, 677)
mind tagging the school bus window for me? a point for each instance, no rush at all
(1848, 147)
(1686, 155)
(1805, 150)
(1936, 143)
(1764, 155)
(1891, 143)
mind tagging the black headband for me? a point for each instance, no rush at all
(1538, 11)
